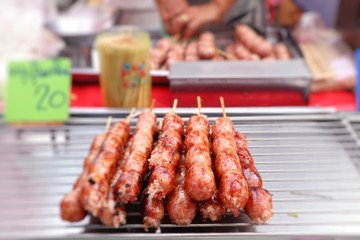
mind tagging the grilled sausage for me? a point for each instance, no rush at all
(281, 52)
(71, 208)
(206, 45)
(259, 206)
(241, 52)
(233, 190)
(200, 180)
(113, 213)
(128, 186)
(180, 207)
(94, 195)
(251, 174)
(165, 157)
(158, 54)
(175, 54)
(154, 211)
(230, 52)
(191, 52)
(252, 41)
(212, 208)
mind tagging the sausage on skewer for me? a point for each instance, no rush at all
(113, 213)
(159, 53)
(71, 208)
(94, 195)
(128, 186)
(233, 190)
(281, 52)
(251, 174)
(166, 156)
(191, 52)
(212, 209)
(230, 52)
(163, 165)
(175, 54)
(252, 41)
(206, 45)
(180, 207)
(154, 211)
(200, 180)
(259, 206)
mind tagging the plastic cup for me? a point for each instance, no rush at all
(124, 56)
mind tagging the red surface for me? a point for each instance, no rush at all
(89, 95)
(240, 98)
(342, 100)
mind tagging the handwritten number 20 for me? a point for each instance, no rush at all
(52, 99)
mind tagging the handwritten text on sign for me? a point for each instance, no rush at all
(38, 91)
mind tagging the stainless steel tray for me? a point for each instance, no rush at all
(308, 158)
(224, 36)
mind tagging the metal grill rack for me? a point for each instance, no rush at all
(308, 159)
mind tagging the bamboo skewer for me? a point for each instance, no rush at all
(108, 123)
(128, 118)
(177, 38)
(223, 53)
(199, 105)
(174, 105)
(223, 107)
(316, 61)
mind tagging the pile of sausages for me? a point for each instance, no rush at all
(248, 46)
(168, 169)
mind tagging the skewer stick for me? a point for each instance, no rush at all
(199, 104)
(177, 38)
(223, 53)
(152, 105)
(185, 43)
(223, 106)
(174, 105)
(128, 118)
(160, 125)
(108, 122)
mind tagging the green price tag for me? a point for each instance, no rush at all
(38, 91)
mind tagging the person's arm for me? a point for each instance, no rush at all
(199, 15)
(170, 9)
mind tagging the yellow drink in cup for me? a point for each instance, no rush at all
(125, 68)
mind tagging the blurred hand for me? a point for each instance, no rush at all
(194, 17)
(170, 10)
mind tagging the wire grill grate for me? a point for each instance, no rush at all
(308, 161)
